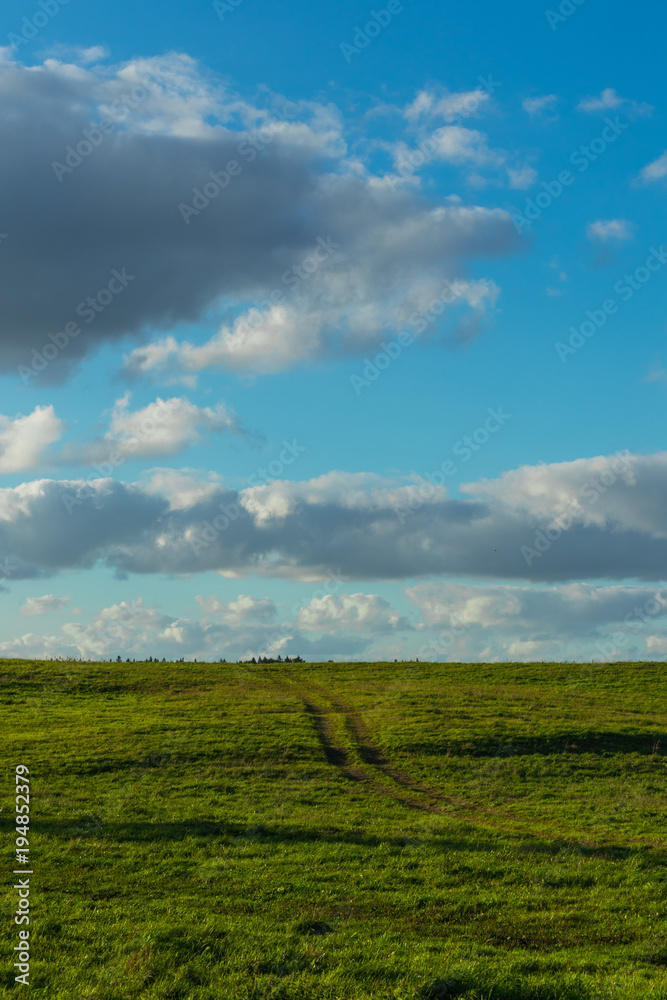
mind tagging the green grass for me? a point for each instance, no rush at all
(340, 831)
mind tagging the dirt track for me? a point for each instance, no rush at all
(359, 759)
(373, 767)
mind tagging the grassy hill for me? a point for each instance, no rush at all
(340, 831)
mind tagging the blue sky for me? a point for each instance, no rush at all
(393, 385)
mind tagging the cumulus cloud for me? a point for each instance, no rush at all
(610, 229)
(657, 644)
(169, 128)
(528, 622)
(350, 300)
(24, 440)
(163, 428)
(461, 147)
(570, 609)
(241, 611)
(601, 517)
(365, 613)
(231, 630)
(460, 621)
(107, 512)
(455, 144)
(609, 100)
(36, 606)
(33, 646)
(655, 170)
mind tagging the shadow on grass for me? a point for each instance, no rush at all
(464, 840)
(447, 987)
(606, 744)
(262, 833)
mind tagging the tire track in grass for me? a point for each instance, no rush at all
(374, 757)
(336, 755)
(373, 766)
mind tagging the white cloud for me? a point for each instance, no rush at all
(94, 53)
(584, 487)
(655, 170)
(455, 144)
(534, 106)
(353, 299)
(609, 100)
(163, 428)
(37, 647)
(527, 622)
(448, 106)
(365, 613)
(25, 439)
(35, 606)
(281, 337)
(243, 610)
(610, 229)
(448, 604)
(657, 644)
(460, 621)
(521, 177)
(182, 488)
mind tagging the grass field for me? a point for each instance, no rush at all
(335, 831)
